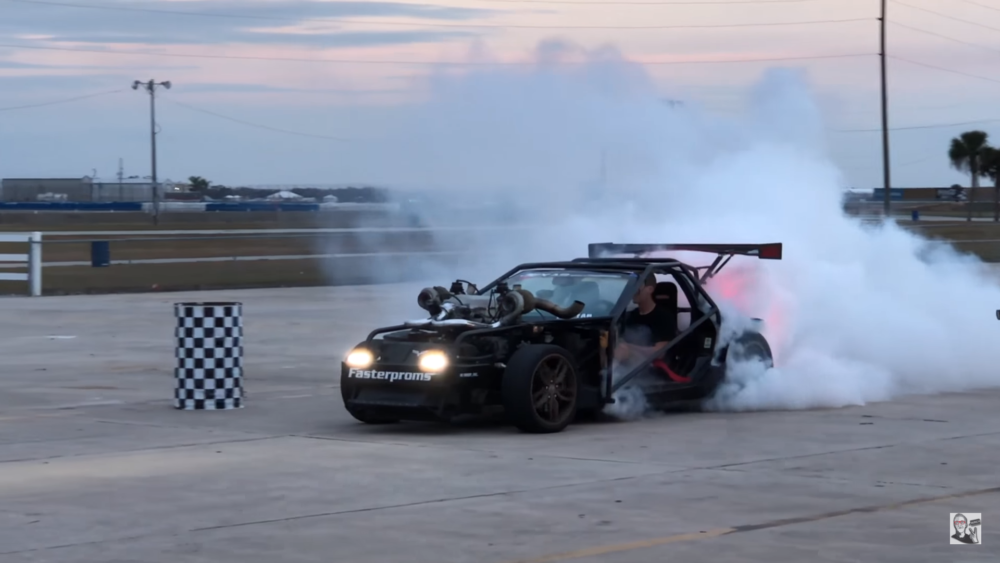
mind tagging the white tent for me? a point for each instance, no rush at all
(284, 195)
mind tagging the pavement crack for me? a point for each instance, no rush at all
(420, 503)
(802, 456)
(849, 450)
(149, 449)
(81, 544)
(703, 535)
(492, 452)
(791, 472)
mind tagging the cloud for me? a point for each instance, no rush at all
(228, 21)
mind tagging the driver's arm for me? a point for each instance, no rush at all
(663, 333)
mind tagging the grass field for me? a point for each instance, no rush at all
(981, 239)
(966, 237)
(71, 221)
(230, 275)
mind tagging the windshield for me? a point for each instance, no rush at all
(598, 291)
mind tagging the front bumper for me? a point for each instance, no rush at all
(406, 392)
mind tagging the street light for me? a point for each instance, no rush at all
(150, 87)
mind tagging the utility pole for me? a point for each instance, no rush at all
(885, 121)
(150, 87)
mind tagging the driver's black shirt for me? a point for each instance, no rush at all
(655, 326)
(964, 539)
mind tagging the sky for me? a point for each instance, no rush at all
(285, 92)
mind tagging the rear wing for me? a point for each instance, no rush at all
(724, 252)
(769, 251)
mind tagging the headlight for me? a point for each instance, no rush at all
(359, 358)
(433, 361)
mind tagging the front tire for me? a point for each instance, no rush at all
(540, 389)
(368, 417)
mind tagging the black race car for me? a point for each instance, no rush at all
(538, 344)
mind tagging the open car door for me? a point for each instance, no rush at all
(686, 362)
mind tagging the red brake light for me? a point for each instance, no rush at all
(770, 251)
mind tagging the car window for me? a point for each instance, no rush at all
(598, 291)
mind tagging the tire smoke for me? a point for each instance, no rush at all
(854, 314)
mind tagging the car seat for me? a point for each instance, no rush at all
(665, 295)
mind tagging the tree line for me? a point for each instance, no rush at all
(972, 153)
(205, 188)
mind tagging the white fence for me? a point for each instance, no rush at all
(33, 257)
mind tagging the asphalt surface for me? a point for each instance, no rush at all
(96, 467)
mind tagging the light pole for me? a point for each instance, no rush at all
(150, 87)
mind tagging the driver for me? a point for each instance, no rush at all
(648, 327)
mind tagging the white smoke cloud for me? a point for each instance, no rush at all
(853, 314)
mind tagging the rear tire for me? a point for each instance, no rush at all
(750, 346)
(540, 389)
(747, 347)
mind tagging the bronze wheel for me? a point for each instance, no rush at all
(540, 388)
(553, 389)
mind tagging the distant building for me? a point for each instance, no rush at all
(46, 189)
(85, 189)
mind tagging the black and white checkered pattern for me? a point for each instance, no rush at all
(209, 371)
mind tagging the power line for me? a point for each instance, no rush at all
(941, 68)
(945, 15)
(342, 139)
(424, 24)
(981, 5)
(918, 160)
(247, 123)
(935, 126)
(43, 104)
(397, 62)
(944, 36)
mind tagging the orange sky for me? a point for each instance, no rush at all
(846, 87)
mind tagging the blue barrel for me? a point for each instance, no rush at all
(915, 214)
(100, 253)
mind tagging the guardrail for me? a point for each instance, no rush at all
(33, 258)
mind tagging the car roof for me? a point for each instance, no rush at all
(621, 264)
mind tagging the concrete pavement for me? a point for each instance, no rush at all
(96, 467)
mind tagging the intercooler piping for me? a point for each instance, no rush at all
(562, 312)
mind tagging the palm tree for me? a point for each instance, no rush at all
(966, 156)
(199, 184)
(991, 169)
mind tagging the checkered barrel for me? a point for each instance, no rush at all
(209, 372)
